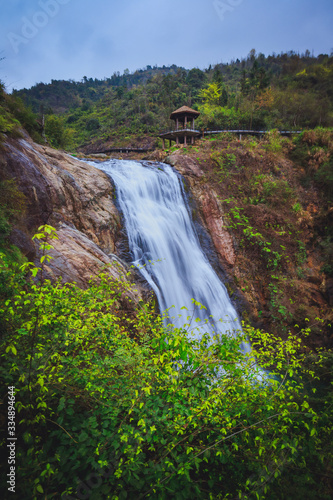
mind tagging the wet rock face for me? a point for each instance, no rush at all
(19, 165)
(213, 216)
(74, 197)
(210, 209)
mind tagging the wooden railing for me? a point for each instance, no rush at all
(236, 131)
(180, 130)
(251, 132)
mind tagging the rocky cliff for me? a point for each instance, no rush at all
(267, 230)
(210, 211)
(74, 197)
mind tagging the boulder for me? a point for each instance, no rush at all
(74, 197)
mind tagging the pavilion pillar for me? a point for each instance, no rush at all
(183, 121)
(170, 143)
(163, 143)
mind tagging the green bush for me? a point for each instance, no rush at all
(324, 177)
(276, 192)
(55, 131)
(8, 125)
(116, 405)
(274, 141)
(92, 124)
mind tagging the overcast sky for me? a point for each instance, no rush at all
(42, 40)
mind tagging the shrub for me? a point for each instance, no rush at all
(319, 136)
(118, 406)
(324, 177)
(55, 131)
(92, 124)
(274, 141)
(276, 192)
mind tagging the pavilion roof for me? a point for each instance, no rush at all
(184, 110)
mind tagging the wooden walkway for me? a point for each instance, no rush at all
(124, 149)
(192, 132)
(250, 132)
(170, 133)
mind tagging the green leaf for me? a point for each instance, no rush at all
(83, 436)
(11, 348)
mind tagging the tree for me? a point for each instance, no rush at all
(217, 76)
(265, 99)
(224, 96)
(55, 131)
(211, 95)
(196, 78)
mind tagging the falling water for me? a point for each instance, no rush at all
(166, 249)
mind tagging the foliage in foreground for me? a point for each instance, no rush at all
(114, 405)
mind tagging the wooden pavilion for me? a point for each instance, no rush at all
(184, 130)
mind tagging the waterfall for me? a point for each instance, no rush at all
(166, 249)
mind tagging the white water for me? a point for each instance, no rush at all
(166, 249)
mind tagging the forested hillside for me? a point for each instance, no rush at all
(285, 91)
